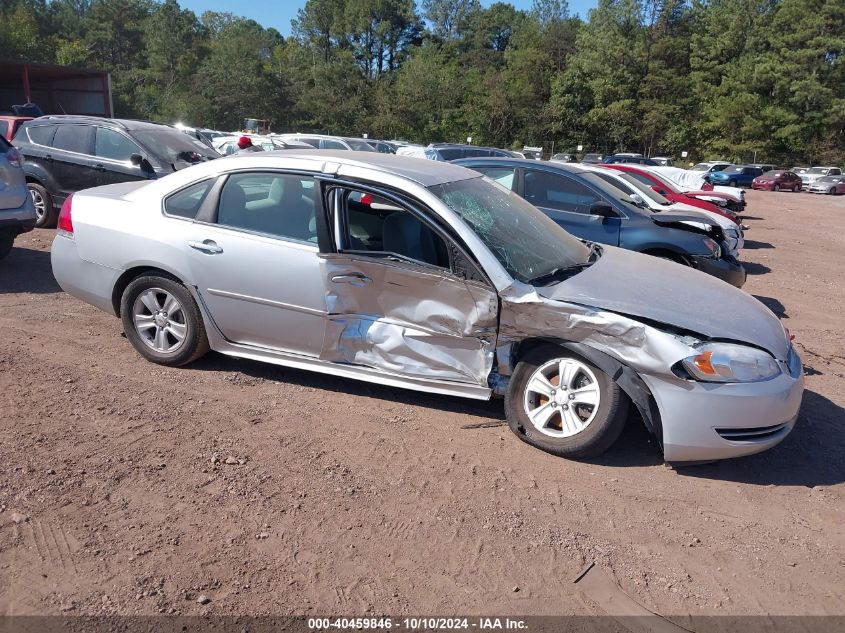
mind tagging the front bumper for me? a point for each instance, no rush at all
(709, 421)
(726, 269)
(765, 186)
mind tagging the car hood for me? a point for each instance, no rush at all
(643, 286)
(671, 217)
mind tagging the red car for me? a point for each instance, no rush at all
(776, 180)
(670, 191)
(10, 123)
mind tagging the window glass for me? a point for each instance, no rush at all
(4, 127)
(359, 146)
(330, 144)
(451, 154)
(502, 175)
(275, 204)
(186, 203)
(73, 138)
(640, 178)
(552, 191)
(114, 145)
(313, 142)
(377, 225)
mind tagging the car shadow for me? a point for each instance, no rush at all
(809, 456)
(753, 268)
(754, 245)
(774, 305)
(493, 409)
(27, 270)
(751, 217)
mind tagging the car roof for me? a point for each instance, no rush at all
(126, 124)
(422, 171)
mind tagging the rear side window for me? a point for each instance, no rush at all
(330, 144)
(281, 205)
(74, 138)
(503, 175)
(186, 203)
(114, 145)
(451, 154)
(41, 134)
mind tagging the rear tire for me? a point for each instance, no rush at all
(7, 239)
(564, 405)
(732, 183)
(832, 191)
(45, 211)
(162, 321)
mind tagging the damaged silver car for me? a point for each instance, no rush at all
(428, 276)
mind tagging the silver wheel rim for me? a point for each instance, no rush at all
(38, 202)
(562, 397)
(159, 320)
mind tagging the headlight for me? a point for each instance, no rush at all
(713, 247)
(726, 362)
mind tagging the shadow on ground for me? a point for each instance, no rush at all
(27, 270)
(753, 245)
(774, 305)
(753, 268)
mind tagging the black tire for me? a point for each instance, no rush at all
(194, 343)
(598, 434)
(832, 191)
(7, 238)
(732, 183)
(45, 210)
(776, 188)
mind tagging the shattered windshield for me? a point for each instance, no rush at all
(525, 241)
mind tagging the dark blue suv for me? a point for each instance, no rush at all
(735, 175)
(592, 209)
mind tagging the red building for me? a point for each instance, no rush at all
(55, 89)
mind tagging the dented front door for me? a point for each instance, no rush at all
(408, 319)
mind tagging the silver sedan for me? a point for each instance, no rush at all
(428, 276)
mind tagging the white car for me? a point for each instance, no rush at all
(693, 180)
(228, 145)
(814, 173)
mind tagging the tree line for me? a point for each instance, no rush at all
(715, 78)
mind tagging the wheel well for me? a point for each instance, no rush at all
(34, 180)
(665, 253)
(128, 277)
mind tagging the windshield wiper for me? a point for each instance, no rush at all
(564, 272)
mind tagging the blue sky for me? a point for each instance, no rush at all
(279, 14)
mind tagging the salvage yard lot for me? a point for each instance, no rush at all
(131, 488)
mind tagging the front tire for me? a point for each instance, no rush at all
(776, 188)
(45, 211)
(162, 321)
(564, 405)
(732, 183)
(832, 191)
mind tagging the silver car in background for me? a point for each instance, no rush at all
(424, 275)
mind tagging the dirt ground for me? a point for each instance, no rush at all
(127, 488)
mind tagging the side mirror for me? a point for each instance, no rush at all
(602, 209)
(136, 159)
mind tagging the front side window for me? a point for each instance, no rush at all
(330, 144)
(114, 145)
(451, 154)
(186, 203)
(4, 128)
(525, 241)
(380, 227)
(74, 138)
(553, 191)
(279, 205)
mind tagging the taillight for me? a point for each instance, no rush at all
(14, 157)
(65, 223)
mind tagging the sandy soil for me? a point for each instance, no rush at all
(128, 488)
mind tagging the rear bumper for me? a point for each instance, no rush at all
(729, 270)
(19, 220)
(93, 283)
(708, 421)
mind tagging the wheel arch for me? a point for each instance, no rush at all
(623, 375)
(132, 273)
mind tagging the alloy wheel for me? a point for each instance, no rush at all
(39, 203)
(159, 320)
(562, 397)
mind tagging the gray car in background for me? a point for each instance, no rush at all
(17, 213)
(428, 276)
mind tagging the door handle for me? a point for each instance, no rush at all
(206, 246)
(356, 279)
(48, 157)
(99, 167)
